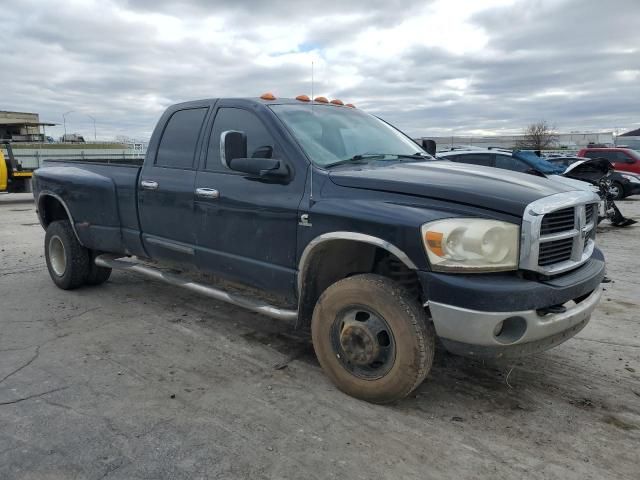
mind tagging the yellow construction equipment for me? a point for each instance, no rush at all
(13, 178)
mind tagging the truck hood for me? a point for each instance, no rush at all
(485, 187)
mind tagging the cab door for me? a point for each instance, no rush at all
(166, 186)
(625, 162)
(247, 226)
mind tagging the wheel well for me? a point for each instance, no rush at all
(51, 209)
(334, 260)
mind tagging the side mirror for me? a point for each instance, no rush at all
(233, 144)
(429, 146)
(233, 154)
(260, 167)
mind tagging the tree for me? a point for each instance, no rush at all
(537, 136)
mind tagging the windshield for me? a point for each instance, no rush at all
(537, 163)
(333, 135)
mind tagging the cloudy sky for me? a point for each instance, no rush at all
(431, 67)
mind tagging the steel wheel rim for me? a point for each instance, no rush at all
(363, 342)
(614, 191)
(57, 256)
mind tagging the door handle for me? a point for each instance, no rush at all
(207, 193)
(149, 185)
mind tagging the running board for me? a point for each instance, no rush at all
(112, 261)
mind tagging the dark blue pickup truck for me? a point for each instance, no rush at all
(324, 215)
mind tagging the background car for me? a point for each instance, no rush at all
(623, 159)
(623, 184)
(520, 161)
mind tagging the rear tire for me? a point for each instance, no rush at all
(372, 338)
(67, 260)
(97, 275)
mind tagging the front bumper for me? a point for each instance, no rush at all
(499, 315)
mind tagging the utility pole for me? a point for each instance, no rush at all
(64, 121)
(94, 127)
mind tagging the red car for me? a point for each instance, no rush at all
(623, 159)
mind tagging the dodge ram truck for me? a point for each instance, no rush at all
(321, 214)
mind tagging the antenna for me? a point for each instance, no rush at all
(311, 172)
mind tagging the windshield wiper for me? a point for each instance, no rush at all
(357, 159)
(417, 155)
(363, 157)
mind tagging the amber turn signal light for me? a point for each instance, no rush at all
(434, 242)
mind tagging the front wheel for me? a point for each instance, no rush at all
(372, 338)
(67, 260)
(616, 190)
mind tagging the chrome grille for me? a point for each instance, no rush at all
(555, 251)
(558, 221)
(589, 211)
(558, 232)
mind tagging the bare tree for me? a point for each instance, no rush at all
(537, 136)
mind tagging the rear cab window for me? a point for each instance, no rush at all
(179, 140)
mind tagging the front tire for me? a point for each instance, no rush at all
(372, 338)
(617, 191)
(67, 260)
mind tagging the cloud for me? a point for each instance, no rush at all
(437, 67)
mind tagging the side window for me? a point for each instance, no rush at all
(485, 159)
(178, 143)
(623, 157)
(260, 144)
(611, 156)
(510, 163)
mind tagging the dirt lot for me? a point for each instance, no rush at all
(135, 379)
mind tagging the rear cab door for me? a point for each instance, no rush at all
(166, 183)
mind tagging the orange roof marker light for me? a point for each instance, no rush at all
(303, 98)
(321, 100)
(335, 101)
(268, 96)
(350, 105)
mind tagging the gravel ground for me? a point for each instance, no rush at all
(135, 379)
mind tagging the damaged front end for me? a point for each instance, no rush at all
(597, 171)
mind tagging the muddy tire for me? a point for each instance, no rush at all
(97, 275)
(67, 260)
(372, 338)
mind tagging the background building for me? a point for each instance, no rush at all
(630, 139)
(564, 141)
(22, 127)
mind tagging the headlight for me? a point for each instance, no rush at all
(470, 245)
(631, 178)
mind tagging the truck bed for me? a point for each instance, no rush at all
(103, 201)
